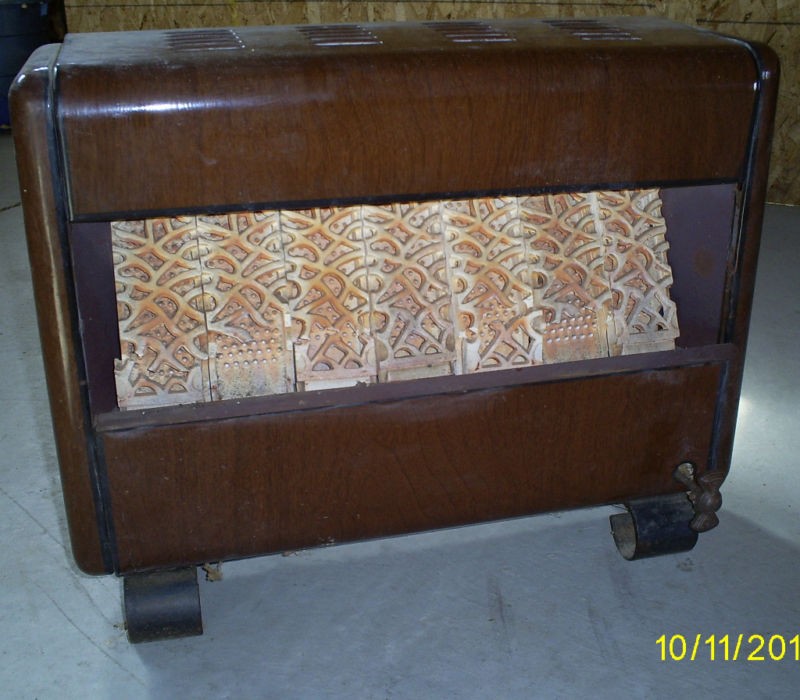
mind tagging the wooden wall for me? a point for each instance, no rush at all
(775, 22)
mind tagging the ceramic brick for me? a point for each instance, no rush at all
(490, 284)
(329, 297)
(244, 288)
(571, 292)
(411, 308)
(162, 331)
(260, 303)
(645, 318)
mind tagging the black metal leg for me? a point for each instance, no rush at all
(162, 605)
(653, 526)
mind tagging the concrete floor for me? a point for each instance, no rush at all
(541, 607)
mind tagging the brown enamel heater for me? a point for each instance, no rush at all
(314, 284)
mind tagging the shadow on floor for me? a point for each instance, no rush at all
(527, 608)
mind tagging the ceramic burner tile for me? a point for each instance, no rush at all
(645, 318)
(409, 291)
(244, 288)
(329, 297)
(164, 358)
(259, 303)
(490, 284)
(570, 288)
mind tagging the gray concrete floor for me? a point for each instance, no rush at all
(541, 607)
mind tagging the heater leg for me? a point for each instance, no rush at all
(653, 526)
(162, 605)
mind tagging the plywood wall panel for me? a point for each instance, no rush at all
(774, 22)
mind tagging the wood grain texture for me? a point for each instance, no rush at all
(736, 312)
(263, 484)
(57, 316)
(392, 120)
(776, 24)
(231, 481)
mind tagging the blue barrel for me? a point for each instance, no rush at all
(23, 28)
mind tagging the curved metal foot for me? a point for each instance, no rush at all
(654, 526)
(162, 605)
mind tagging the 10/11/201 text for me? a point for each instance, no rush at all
(729, 647)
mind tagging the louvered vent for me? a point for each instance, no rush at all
(592, 30)
(204, 40)
(340, 35)
(470, 32)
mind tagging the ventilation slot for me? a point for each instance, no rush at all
(204, 40)
(470, 32)
(340, 35)
(592, 30)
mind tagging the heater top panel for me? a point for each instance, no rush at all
(227, 119)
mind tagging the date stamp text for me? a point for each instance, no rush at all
(729, 647)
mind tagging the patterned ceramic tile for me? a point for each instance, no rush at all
(409, 290)
(244, 288)
(645, 318)
(329, 297)
(570, 288)
(252, 304)
(490, 284)
(164, 357)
